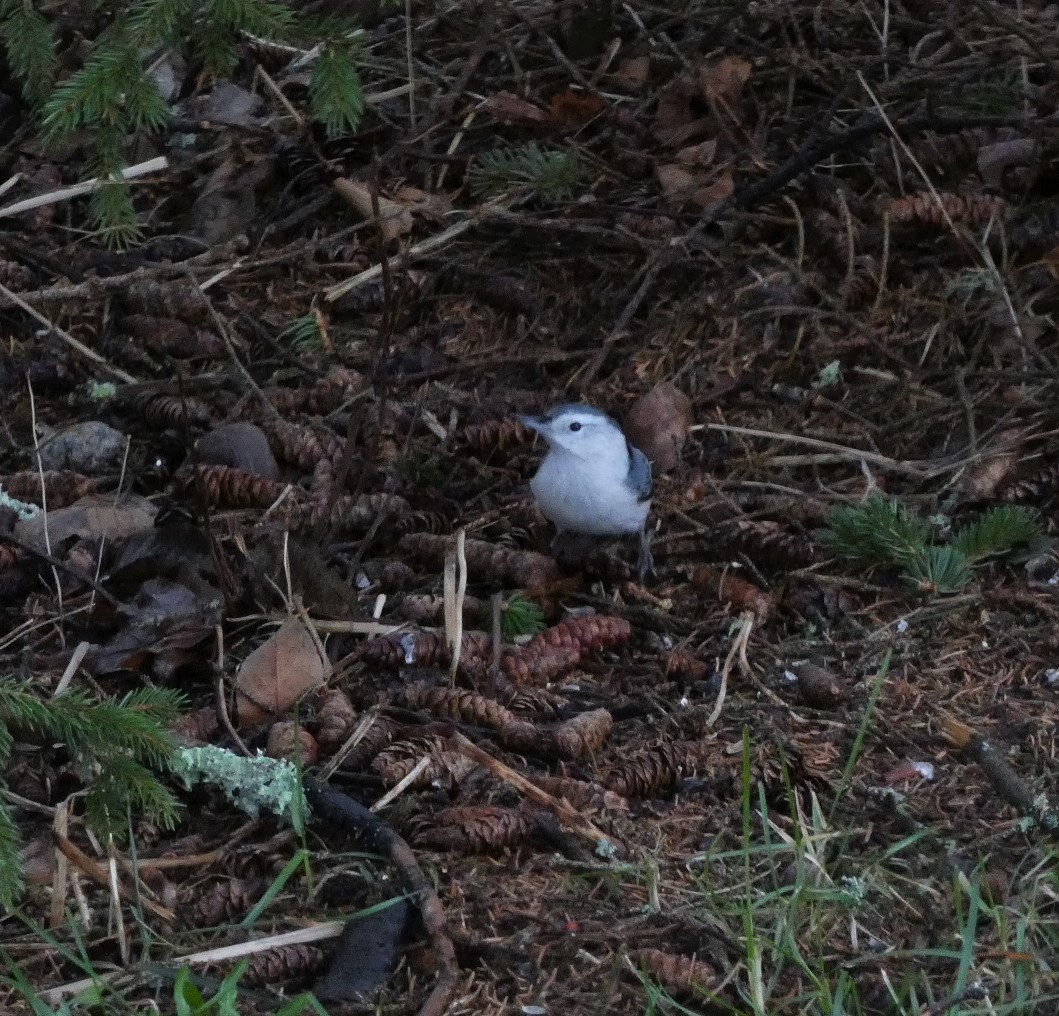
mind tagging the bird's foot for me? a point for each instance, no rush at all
(646, 563)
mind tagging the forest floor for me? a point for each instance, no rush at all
(791, 783)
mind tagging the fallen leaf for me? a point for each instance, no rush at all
(676, 121)
(227, 203)
(575, 108)
(433, 207)
(509, 108)
(93, 516)
(395, 220)
(632, 73)
(720, 190)
(658, 425)
(165, 616)
(677, 184)
(277, 674)
(724, 80)
(232, 106)
(993, 471)
(681, 186)
(700, 155)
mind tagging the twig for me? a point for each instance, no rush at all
(95, 871)
(973, 992)
(87, 187)
(344, 812)
(738, 650)
(81, 348)
(565, 812)
(61, 565)
(1005, 780)
(851, 454)
(431, 243)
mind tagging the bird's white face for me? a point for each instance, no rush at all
(581, 431)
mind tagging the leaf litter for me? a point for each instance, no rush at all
(609, 804)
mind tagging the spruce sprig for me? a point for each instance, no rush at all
(114, 97)
(113, 743)
(305, 334)
(112, 92)
(880, 530)
(520, 616)
(335, 90)
(877, 531)
(997, 532)
(29, 47)
(553, 175)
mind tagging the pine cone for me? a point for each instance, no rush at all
(477, 829)
(485, 561)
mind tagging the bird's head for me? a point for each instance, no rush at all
(579, 430)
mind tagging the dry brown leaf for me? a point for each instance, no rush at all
(724, 80)
(700, 155)
(996, 159)
(677, 184)
(164, 618)
(575, 108)
(1050, 260)
(433, 207)
(510, 108)
(93, 516)
(658, 425)
(632, 73)
(681, 185)
(676, 120)
(720, 190)
(989, 475)
(277, 674)
(394, 219)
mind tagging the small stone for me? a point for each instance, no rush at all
(241, 446)
(91, 447)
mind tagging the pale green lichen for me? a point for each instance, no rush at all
(253, 784)
(100, 391)
(22, 509)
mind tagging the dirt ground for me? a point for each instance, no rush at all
(801, 786)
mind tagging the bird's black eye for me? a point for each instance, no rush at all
(575, 426)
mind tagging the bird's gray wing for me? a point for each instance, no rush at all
(639, 473)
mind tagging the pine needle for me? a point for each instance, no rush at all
(554, 176)
(881, 531)
(520, 616)
(998, 531)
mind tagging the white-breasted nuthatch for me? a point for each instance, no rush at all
(592, 480)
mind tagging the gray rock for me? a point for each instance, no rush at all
(91, 447)
(240, 445)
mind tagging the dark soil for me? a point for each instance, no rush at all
(833, 227)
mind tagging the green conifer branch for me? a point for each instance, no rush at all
(123, 785)
(939, 570)
(335, 91)
(112, 743)
(10, 868)
(158, 22)
(882, 531)
(521, 616)
(877, 531)
(998, 531)
(114, 97)
(553, 175)
(30, 48)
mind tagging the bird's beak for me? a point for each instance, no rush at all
(534, 423)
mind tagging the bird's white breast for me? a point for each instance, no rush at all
(585, 496)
